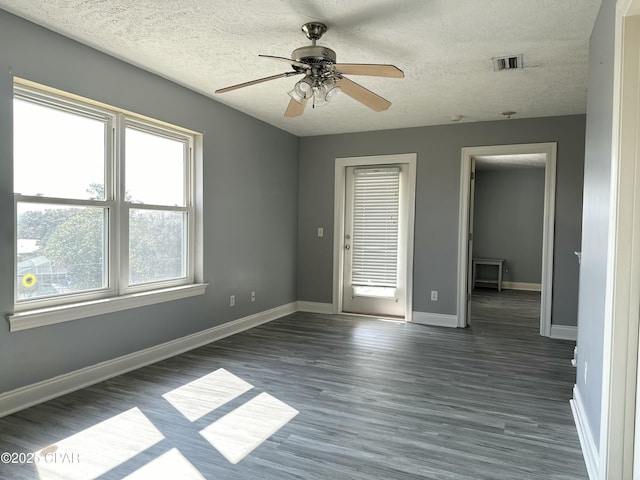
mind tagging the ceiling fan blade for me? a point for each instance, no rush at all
(362, 95)
(369, 69)
(254, 82)
(288, 60)
(295, 109)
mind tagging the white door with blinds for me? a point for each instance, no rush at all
(375, 237)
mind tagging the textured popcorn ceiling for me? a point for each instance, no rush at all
(445, 48)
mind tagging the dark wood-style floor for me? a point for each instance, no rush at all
(347, 397)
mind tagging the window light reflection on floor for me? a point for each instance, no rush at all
(204, 395)
(392, 320)
(241, 431)
(171, 464)
(98, 449)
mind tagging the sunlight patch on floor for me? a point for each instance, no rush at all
(101, 448)
(241, 431)
(202, 396)
(391, 320)
(98, 449)
(171, 464)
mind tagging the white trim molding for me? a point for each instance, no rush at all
(65, 313)
(435, 319)
(587, 442)
(30, 395)
(315, 307)
(527, 287)
(619, 419)
(468, 153)
(564, 332)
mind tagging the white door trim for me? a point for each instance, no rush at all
(338, 220)
(550, 151)
(618, 422)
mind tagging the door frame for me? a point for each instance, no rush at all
(549, 149)
(472, 202)
(339, 202)
(619, 443)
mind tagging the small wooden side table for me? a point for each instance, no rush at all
(498, 262)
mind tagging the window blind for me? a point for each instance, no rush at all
(374, 243)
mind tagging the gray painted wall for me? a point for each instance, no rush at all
(508, 221)
(437, 199)
(250, 208)
(595, 220)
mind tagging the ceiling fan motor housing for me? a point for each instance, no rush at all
(314, 55)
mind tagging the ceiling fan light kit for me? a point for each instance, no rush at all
(320, 89)
(323, 77)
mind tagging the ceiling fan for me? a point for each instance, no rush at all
(323, 77)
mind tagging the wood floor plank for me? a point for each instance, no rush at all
(376, 400)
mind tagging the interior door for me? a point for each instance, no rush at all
(375, 240)
(472, 191)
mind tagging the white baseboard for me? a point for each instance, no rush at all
(30, 395)
(529, 287)
(589, 450)
(315, 307)
(564, 332)
(435, 319)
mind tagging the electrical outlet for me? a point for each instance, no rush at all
(253, 296)
(232, 301)
(434, 295)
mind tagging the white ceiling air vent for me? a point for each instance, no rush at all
(510, 62)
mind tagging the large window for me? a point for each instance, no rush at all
(104, 202)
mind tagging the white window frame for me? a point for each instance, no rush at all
(125, 207)
(118, 294)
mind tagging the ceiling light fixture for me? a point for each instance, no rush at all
(321, 88)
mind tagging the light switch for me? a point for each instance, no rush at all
(320, 232)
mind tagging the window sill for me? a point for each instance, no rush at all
(49, 316)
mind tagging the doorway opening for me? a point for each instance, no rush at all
(374, 211)
(542, 154)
